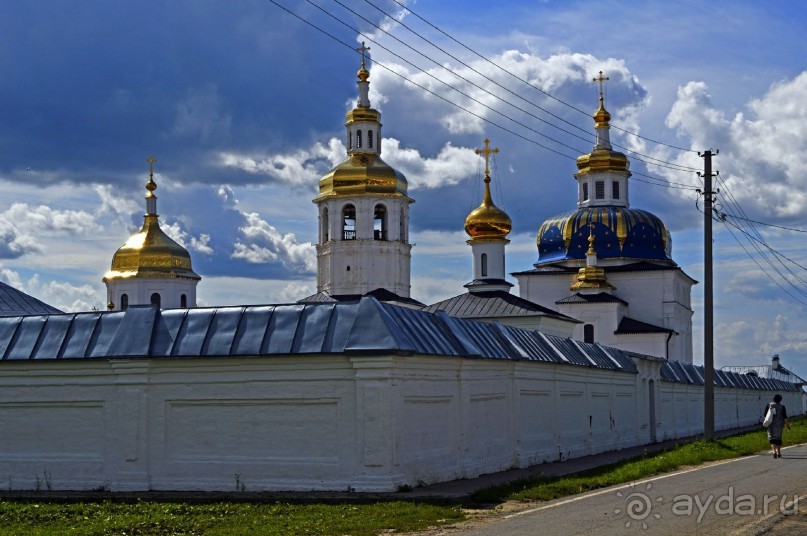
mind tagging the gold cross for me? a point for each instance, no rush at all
(601, 79)
(151, 161)
(487, 152)
(362, 49)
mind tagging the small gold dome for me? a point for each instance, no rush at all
(150, 253)
(488, 221)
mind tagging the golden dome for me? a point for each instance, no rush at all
(603, 157)
(602, 160)
(150, 253)
(362, 174)
(488, 221)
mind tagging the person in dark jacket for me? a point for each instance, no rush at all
(778, 425)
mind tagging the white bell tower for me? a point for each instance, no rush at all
(363, 212)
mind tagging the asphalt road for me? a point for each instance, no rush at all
(746, 496)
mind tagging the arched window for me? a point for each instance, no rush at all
(349, 223)
(370, 139)
(484, 264)
(588, 333)
(358, 139)
(124, 302)
(183, 301)
(155, 299)
(585, 191)
(323, 232)
(349, 140)
(380, 222)
(615, 189)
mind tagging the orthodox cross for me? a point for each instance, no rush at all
(151, 161)
(362, 49)
(487, 151)
(601, 79)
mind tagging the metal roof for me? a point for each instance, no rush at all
(497, 303)
(358, 327)
(673, 371)
(14, 302)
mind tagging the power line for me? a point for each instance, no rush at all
(535, 87)
(656, 161)
(664, 182)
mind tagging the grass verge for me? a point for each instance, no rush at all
(695, 453)
(217, 519)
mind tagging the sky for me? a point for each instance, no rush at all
(243, 105)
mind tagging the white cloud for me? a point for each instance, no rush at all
(181, 237)
(22, 225)
(450, 166)
(265, 244)
(761, 156)
(302, 167)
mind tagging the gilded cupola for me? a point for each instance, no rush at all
(487, 221)
(363, 171)
(603, 157)
(150, 253)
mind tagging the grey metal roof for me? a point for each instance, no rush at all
(673, 371)
(381, 294)
(358, 327)
(497, 303)
(14, 302)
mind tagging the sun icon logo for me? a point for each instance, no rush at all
(638, 506)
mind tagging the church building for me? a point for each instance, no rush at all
(151, 268)
(610, 265)
(363, 246)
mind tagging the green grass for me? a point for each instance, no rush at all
(217, 519)
(698, 452)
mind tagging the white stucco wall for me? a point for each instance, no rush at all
(335, 422)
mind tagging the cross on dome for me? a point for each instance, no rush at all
(363, 49)
(601, 79)
(487, 151)
(151, 185)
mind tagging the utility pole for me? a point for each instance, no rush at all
(708, 302)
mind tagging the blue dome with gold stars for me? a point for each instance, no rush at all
(619, 233)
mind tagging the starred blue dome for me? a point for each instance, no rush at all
(619, 232)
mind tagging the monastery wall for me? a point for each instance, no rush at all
(328, 422)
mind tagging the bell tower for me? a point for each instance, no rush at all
(363, 210)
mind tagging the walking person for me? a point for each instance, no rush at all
(777, 425)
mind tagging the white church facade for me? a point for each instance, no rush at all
(360, 387)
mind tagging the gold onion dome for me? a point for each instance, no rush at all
(487, 220)
(603, 157)
(150, 253)
(363, 171)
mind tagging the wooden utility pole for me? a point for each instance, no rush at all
(708, 302)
